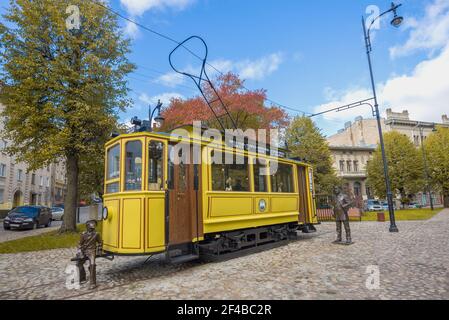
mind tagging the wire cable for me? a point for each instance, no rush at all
(187, 49)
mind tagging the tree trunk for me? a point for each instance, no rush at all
(446, 200)
(71, 199)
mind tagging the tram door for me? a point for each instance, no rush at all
(303, 200)
(182, 196)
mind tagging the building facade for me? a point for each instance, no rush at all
(18, 186)
(352, 148)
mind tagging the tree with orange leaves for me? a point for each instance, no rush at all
(246, 107)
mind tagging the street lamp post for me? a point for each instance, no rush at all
(396, 22)
(426, 168)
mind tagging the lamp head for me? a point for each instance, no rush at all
(397, 20)
(159, 121)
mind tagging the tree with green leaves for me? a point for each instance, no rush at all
(437, 153)
(306, 141)
(405, 167)
(63, 83)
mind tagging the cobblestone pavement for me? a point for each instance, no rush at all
(413, 264)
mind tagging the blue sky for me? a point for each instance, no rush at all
(309, 55)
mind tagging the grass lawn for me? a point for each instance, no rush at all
(404, 215)
(45, 241)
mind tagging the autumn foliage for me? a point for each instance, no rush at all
(246, 107)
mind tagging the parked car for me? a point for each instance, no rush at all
(57, 213)
(373, 205)
(27, 217)
(385, 206)
(414, 205)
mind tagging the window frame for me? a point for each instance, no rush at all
(253, 162)
(164, 164)
(144, 177)
(293, 181)
(249, 170)
(107, 181)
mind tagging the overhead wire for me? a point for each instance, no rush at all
(168, 38)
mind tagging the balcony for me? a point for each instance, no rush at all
(352, 174)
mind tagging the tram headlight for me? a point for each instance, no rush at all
(105, 213)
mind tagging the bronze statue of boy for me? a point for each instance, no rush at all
(342, 204)
(89, 247)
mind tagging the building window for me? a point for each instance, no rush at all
(133, 166)
(41, 181)
(282, 180)
(33, 179)
(3, 170)
(19, 175)
(416, 140)
(230, 177)
(356, 166)
(48, 182)
(2, 194)
(357, 189)
(155, 166)
(342, 166)
(349, 166)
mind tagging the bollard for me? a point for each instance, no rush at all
(380, 217)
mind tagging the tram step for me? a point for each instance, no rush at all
(185, 258)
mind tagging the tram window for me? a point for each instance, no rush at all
(113, 163)
(155, 166)
(133, 166)
(260, 177)
(112, 187)
(282, 180)
(230, 177)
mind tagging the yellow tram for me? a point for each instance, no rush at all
(154, 204)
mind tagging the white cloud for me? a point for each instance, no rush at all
(131, 30)
(424, 93)
(338, 99)
(259, 69)
(430, 33)
(247, 69)
(139, 7)
(170, 79)
(164, 97)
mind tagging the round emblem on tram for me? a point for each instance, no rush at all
(262, 205)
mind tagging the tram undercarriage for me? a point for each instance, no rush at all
(229, 245)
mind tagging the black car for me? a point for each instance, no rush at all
(28, 217)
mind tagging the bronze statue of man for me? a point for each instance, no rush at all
(342, 204)
(90, 243)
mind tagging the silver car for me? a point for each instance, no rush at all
(57, 213)
(373, 205)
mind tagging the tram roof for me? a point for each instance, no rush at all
(196, 136)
